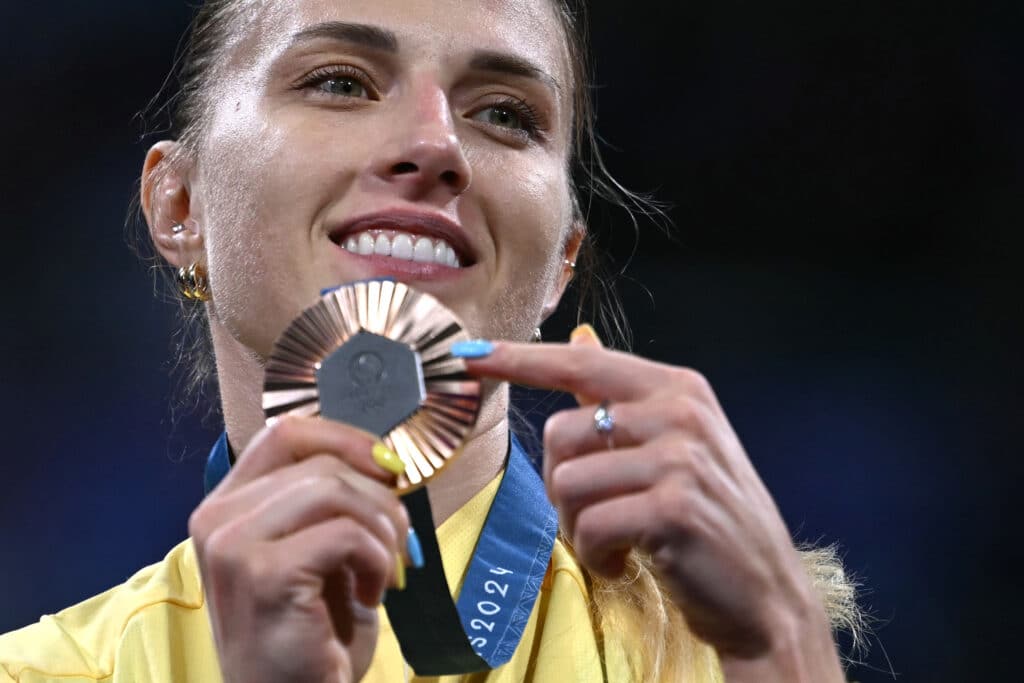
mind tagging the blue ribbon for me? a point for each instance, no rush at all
(509, 563)
(217, 464)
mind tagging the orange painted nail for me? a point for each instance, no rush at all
(585, 333)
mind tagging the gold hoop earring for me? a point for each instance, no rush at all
(193, 283)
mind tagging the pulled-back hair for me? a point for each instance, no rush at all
(633, 616)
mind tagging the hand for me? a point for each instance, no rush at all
(296, 547)
(673, 480)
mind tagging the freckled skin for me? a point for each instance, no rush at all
(278, 168)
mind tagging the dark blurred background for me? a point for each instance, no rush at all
(846, 186)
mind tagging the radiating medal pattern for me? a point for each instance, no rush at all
(376, 354)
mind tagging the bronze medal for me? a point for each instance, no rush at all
(375, 354)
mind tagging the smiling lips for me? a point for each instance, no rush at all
(421, 240)
(401, 245)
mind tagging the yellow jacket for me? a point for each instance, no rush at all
(155, 627)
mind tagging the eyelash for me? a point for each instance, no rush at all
(533, 126)
(319, 76)
(532, 122)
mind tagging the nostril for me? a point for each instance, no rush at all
(404, 167)
(450, 177)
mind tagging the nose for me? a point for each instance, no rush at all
(422, 158)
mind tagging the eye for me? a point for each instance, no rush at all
(501, 116)
(339, 81)
(513, 116)
(345, 86)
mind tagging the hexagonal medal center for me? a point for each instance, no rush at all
(371, 382)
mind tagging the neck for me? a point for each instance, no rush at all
(240, 377)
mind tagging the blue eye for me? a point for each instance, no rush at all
(344, 86)
(340, 80)
(500, 116)
(514, 116)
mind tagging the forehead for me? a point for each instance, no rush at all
(442, 30)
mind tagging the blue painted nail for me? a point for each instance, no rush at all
(328, 290)
(475, 348)
(412, 545)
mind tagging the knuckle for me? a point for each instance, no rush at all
(380, 558)
(556, 430)
(337, 485)
(400, 514)
(677, 457)
(323, 465)
(588, 526)
(334, 494)
(682, 412)
(390, 528)
(223, 554)
(585, 537)
(574, 366)
(561, 486)
(199, 522)
(695, 382)
(360, 542)
(691, 416)
(678, 505)
(282, 431)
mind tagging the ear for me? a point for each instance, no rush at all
(573, 242)
(167, 204)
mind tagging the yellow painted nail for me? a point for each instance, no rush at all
(399, 573)
(585, 332)
(387, 458)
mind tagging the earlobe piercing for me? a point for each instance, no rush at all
(178, 228)
(571, 264)
(537, 337)
(193, 283)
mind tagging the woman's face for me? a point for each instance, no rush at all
(426, 141)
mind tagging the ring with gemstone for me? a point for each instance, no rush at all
(604, 423)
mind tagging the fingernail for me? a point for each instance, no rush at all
(327, 290)
(475, 348)
(585, 332)
(399, 573)
(415, 550)
(387, 458)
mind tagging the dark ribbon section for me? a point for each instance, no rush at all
(504, 578)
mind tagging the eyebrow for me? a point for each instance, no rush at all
(384, 40)
(361, 34)
(505, 63)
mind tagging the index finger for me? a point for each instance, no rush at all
(581, 369)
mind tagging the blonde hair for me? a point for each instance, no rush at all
(642, 629)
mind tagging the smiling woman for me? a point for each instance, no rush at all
(321, 142)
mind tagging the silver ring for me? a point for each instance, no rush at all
(604, 423)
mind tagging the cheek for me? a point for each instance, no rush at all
(528, 211)
(256, 231)
(531, 209)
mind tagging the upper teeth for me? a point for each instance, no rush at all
(402, 245)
